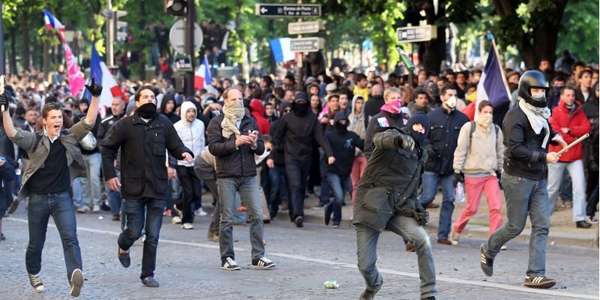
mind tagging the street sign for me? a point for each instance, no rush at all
(177, 36)
(304, 27)
(288, 10)
(311, 44)
(413, 34)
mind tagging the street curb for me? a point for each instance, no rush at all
(481, 232)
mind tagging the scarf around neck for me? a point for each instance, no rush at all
(233, 112)
(538, 119)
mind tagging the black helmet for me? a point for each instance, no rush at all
(533, 79)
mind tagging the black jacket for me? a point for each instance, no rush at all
(443, 133)
(143, 155)
(233, 161)
(376, 124)
(524, 156)
(343, 145)
(298, 135)
(277, 152)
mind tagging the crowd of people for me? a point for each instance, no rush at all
(259, 147)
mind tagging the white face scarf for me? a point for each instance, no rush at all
(538, 118)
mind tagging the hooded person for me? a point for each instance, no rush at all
(257, 110)
(343, 144)
(297, 134)
(387, 199)
(191, 133)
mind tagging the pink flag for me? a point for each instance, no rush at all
(74, 75)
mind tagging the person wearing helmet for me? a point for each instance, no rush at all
(526, 134)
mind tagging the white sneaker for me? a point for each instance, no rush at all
(200, 212)
(187, 226)
(36, 282)
(176, 220)
(96, 208)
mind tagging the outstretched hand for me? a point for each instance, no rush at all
(94, 88)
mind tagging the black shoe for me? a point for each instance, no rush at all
(263, 263)
(116, 217)
(124, 258)
(539, 282)
(429, 298)
(230, 265)
(76, 282)
(299, 222)
(583, 224)
(2, 237)
(150, 282)
(104, 207)
(367, 295)
(486, 262)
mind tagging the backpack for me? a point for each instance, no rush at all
(473, 127)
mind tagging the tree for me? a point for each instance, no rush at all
(533, 29)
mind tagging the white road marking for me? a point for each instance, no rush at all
(353, 266)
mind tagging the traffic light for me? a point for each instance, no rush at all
(176, 7)
(120, 26)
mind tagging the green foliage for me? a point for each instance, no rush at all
(580, 30)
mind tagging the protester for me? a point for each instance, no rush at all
(478, 160)
(142, 140)
(591, 159)
(526, 135)
(233, 139)
(387, 199)
(191, 133)
(46, 182)
(570, 122)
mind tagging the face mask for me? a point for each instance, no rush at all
(147, 111)
(342, 127)
(484, 120)
(451, 103)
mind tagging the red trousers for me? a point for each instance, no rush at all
(474, 187)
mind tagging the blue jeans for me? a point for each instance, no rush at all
(143, 214)
(78, 185)
(61, 208)
(430, 183)
(366, 245)
(340, 186)
(297, 173)
(91, 192)
(249, 194)
(525, 197)
(279, 190)
(114, 200)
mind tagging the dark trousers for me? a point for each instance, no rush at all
(192, 189)
(297, 172)
(143, 214)
(592, 192)
(8, 180)
(215, 219)
(279, 189)
(61, 208)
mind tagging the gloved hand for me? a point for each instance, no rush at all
(405, 141)
(3, 102)
(95, 89)
(459, 177)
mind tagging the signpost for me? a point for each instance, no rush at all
(310, 44)
(287, 10)
(177, 36)
(413, 34)
(304, 27)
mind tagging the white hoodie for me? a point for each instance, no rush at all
(191, 134)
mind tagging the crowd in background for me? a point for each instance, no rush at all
(318, 134)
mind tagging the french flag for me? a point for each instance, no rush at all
(281, 50)
(101, 74)
(202, 76)
(52, 22)
(492, 85)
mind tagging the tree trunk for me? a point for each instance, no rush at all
(26, 54)
(432, 53)
(13, 52)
